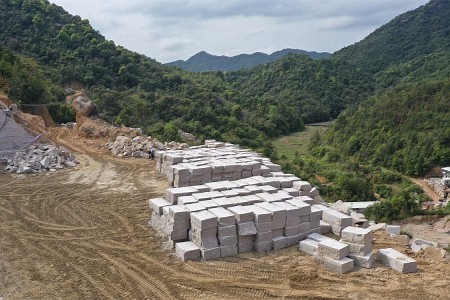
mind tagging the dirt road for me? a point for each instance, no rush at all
(82, 234)
(427, 189)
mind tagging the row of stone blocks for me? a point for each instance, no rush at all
(221, 227)
(354, 249)
(200, 165)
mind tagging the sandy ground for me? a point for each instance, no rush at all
(83, 234)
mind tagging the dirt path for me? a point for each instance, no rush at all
(426, 188)
(82, 234)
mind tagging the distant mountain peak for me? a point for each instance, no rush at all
(204, 61)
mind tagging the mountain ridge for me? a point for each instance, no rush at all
(204, 61)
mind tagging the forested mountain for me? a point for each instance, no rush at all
(407, 37)
(405, 125)
(134, 90)
(204, 61)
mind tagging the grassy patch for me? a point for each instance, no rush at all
(299, 141)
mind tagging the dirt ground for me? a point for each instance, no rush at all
(83, 234)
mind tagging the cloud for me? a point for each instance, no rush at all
(177, 29)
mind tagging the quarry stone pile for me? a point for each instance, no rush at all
(139, 146)
(40, 158)
(225, 200)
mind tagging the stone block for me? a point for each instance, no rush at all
(302, 186)
(263, 237)
(324, 227)
(308, 246)
(397, 261)
(260, 215)
(292, 211)
(224, 216)
(208, 254)
(393, 229)
(197, 206)
(279, 242)
(277, 232)
(318, 237)
(344, 265)
(157, 205)
(253, 189)
(178, 235)
(226, 230)
(263, 246)
(244, 239)
(227, 251)
(241, 213)
(293, 240)
(208, 204)
(304, 208)
(202, 233)
(291, 231)
(359, 249)
(247, 228)
(314, 224)
(206, 243)
(246, 247)
(314, 192)
(333, 217)
(278, 213)
(291, 191)
(203, 219)
(264, 227)
(187, 251)
(172, 194)
(183, 200)
(365, 261)
(357, 235)
(333, 249)
(178, 213)
(228, 240)
(269, 189)
(224, 202)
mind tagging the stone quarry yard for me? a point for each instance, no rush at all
(83, 233)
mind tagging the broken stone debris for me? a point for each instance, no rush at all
(139, 146)
(40, 158)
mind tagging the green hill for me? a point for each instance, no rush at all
(204, 61)
(405, 126)
(409, 36)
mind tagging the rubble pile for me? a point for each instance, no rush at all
(139, 146)
(40, 158)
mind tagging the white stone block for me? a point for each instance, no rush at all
(224, 202)
(224, 216)
(157, 205)
(260, 215)
(292, 211)
(203, 233)
(203, 219)
(309, 246)
(357, 235)
(245, 239)
(197, 206)
(333, 249)
(397, 261)
(206, 243)
(344, 265)
(336, 218)
(393, 229)
(302, 186)
(241, 213)
(178, 213)
(304, 208)
(277, 232)
(187, 251)
(324, 227)
(318, 237)
(263, 237)
(183, 200)
(364, 261)
(172, 194)
(293, 240)
(264, 227)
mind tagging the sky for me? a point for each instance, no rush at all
(168, 30)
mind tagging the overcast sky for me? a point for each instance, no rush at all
(168, 30)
